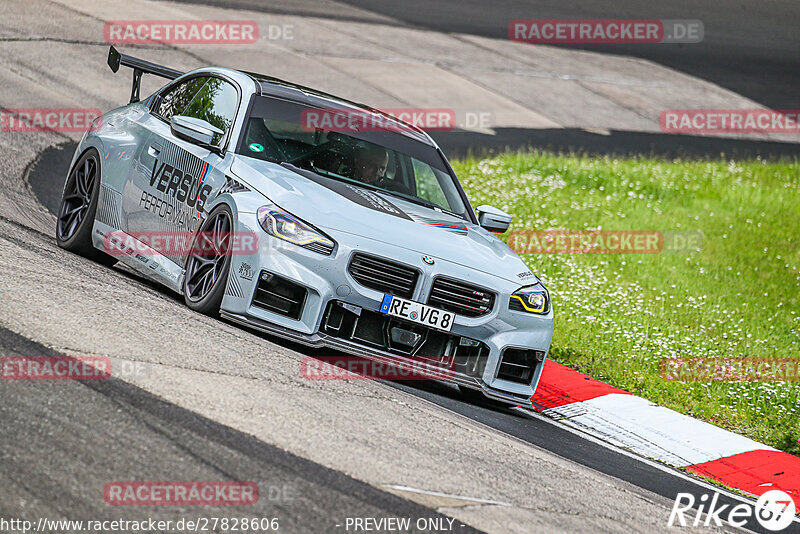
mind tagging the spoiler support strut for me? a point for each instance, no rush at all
(139, 66)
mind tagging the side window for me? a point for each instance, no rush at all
(216, 103)
(176, 99)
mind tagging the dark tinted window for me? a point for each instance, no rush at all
(216, 103)
(176, 99)
(377, 158)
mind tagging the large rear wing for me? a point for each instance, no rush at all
(139, 66)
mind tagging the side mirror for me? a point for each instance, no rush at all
(195, 131)
(493, 219)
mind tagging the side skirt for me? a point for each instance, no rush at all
(138, 256)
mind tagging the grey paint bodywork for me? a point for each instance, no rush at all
(131, 141)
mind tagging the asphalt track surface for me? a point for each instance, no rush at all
(58, 474)
(751, 48)
(45, 177)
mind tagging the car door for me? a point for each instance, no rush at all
(140, 200)
(180, 176)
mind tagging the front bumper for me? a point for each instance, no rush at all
(324, 340)
(327, 281)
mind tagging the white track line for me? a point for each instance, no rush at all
(447, 495)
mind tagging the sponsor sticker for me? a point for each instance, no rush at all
(246, 272)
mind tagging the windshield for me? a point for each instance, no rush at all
(377, 159)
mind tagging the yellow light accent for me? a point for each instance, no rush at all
(278, 233)
(528, 308)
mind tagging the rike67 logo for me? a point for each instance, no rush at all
(774, 511)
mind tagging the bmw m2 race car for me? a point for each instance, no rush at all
(360, 236)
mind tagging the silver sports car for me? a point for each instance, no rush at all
(308, 217)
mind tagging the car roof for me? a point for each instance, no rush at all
(275, 87)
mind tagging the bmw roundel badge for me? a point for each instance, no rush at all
(428, 260)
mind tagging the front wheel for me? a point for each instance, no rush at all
(209, 263)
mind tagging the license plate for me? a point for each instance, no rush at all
(416, 312)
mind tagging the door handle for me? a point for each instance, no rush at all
(154, 151)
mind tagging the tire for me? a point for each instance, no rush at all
(78, 207)
(207, 273)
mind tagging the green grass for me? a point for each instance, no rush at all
(618, 316)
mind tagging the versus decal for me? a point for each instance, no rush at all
(180, 185)
(173, 212)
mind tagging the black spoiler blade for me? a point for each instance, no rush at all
(139, 66)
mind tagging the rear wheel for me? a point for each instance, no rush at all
(78, 207)
(209, 263)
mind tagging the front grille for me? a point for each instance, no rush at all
(390, 334)
(460, 297)
(519, 365)
(279, 295)
(383, 275)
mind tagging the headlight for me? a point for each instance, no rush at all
(286, 226)
(530, 299)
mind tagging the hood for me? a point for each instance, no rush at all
(334, 205)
